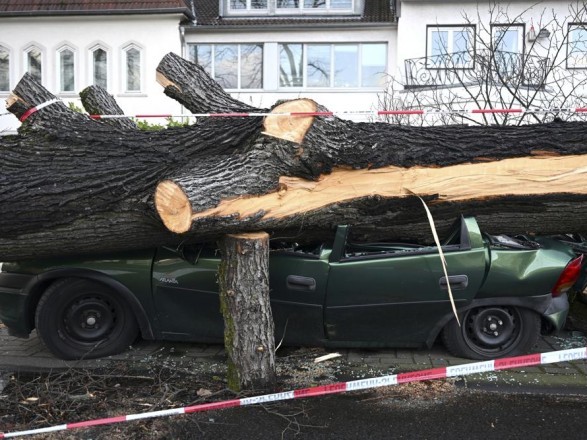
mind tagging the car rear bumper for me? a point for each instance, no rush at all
(557, 311)
(13, 303)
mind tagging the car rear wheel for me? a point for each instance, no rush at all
(492, 332)
(82, 319)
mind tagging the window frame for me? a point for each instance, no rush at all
(332, 65)
(272, 9)
(92, 68)
(212, 72)
(58, 76)
(521, 34)
(29, 48)
(125, 48)
(10, 68)
(568, 54)
(247, 10)
(301, 9)
(451, 27)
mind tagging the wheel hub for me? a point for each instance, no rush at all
(492, 327)
(89, 319)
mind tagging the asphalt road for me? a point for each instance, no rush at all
(465, 415)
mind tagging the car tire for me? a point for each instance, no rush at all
(78, 318)
(492, 332)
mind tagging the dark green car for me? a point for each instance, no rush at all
(340, 293)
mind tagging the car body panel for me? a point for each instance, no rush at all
(336, 294)
(127, 272)
(187, 301)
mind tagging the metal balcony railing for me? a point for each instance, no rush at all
(464, 68)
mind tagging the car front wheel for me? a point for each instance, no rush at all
(492, 332)
(82, 319)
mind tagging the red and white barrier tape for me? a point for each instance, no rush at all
(36, 108)
(355, 113)
(420, 112)
(340, 387)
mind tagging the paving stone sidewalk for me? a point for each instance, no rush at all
(18, 354)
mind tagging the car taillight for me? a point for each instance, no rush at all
(568, 277)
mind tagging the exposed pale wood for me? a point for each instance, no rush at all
(11, 100)
(249, 235)
(163, 81)
(173, 206)
(519, 176)
(290, 128)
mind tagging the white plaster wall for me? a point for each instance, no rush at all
(334, 99)
(157, 35)
(415, 15)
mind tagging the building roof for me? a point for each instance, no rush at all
(32, 8)
(375, 12)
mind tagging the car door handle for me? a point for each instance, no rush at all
(457, 282)
(297, 282)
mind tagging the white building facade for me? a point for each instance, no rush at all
(348, 55)
(337, 52)
(514, 54)
(68, 50)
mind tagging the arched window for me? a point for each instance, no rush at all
(100, 67)
(4, 69)
(34, 62)
(132, 57)
(66, 59)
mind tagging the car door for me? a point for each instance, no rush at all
(394, 294)
(298, 289)
(185, 291)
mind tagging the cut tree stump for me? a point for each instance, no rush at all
(243, 278)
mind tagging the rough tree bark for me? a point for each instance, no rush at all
(243, 279)
(309, 171)
(70, 184)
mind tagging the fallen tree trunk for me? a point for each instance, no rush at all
(70, 184)
(89, 185)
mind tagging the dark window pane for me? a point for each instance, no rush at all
(318, 65)
(34, 66)
(100, 60)
(290, 65)
(201, 54)
(251, 66)
(4, 70)
(133, 70)
(66, 70)
(226, 65)
(319, 4)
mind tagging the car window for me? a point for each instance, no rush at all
(291, 248)
(357, 247)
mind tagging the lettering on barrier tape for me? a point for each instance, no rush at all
(267, 398)
(321, 390)
(519, 361)
(563, 355)
(361, 384)
(375, 382)
(462, 370)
